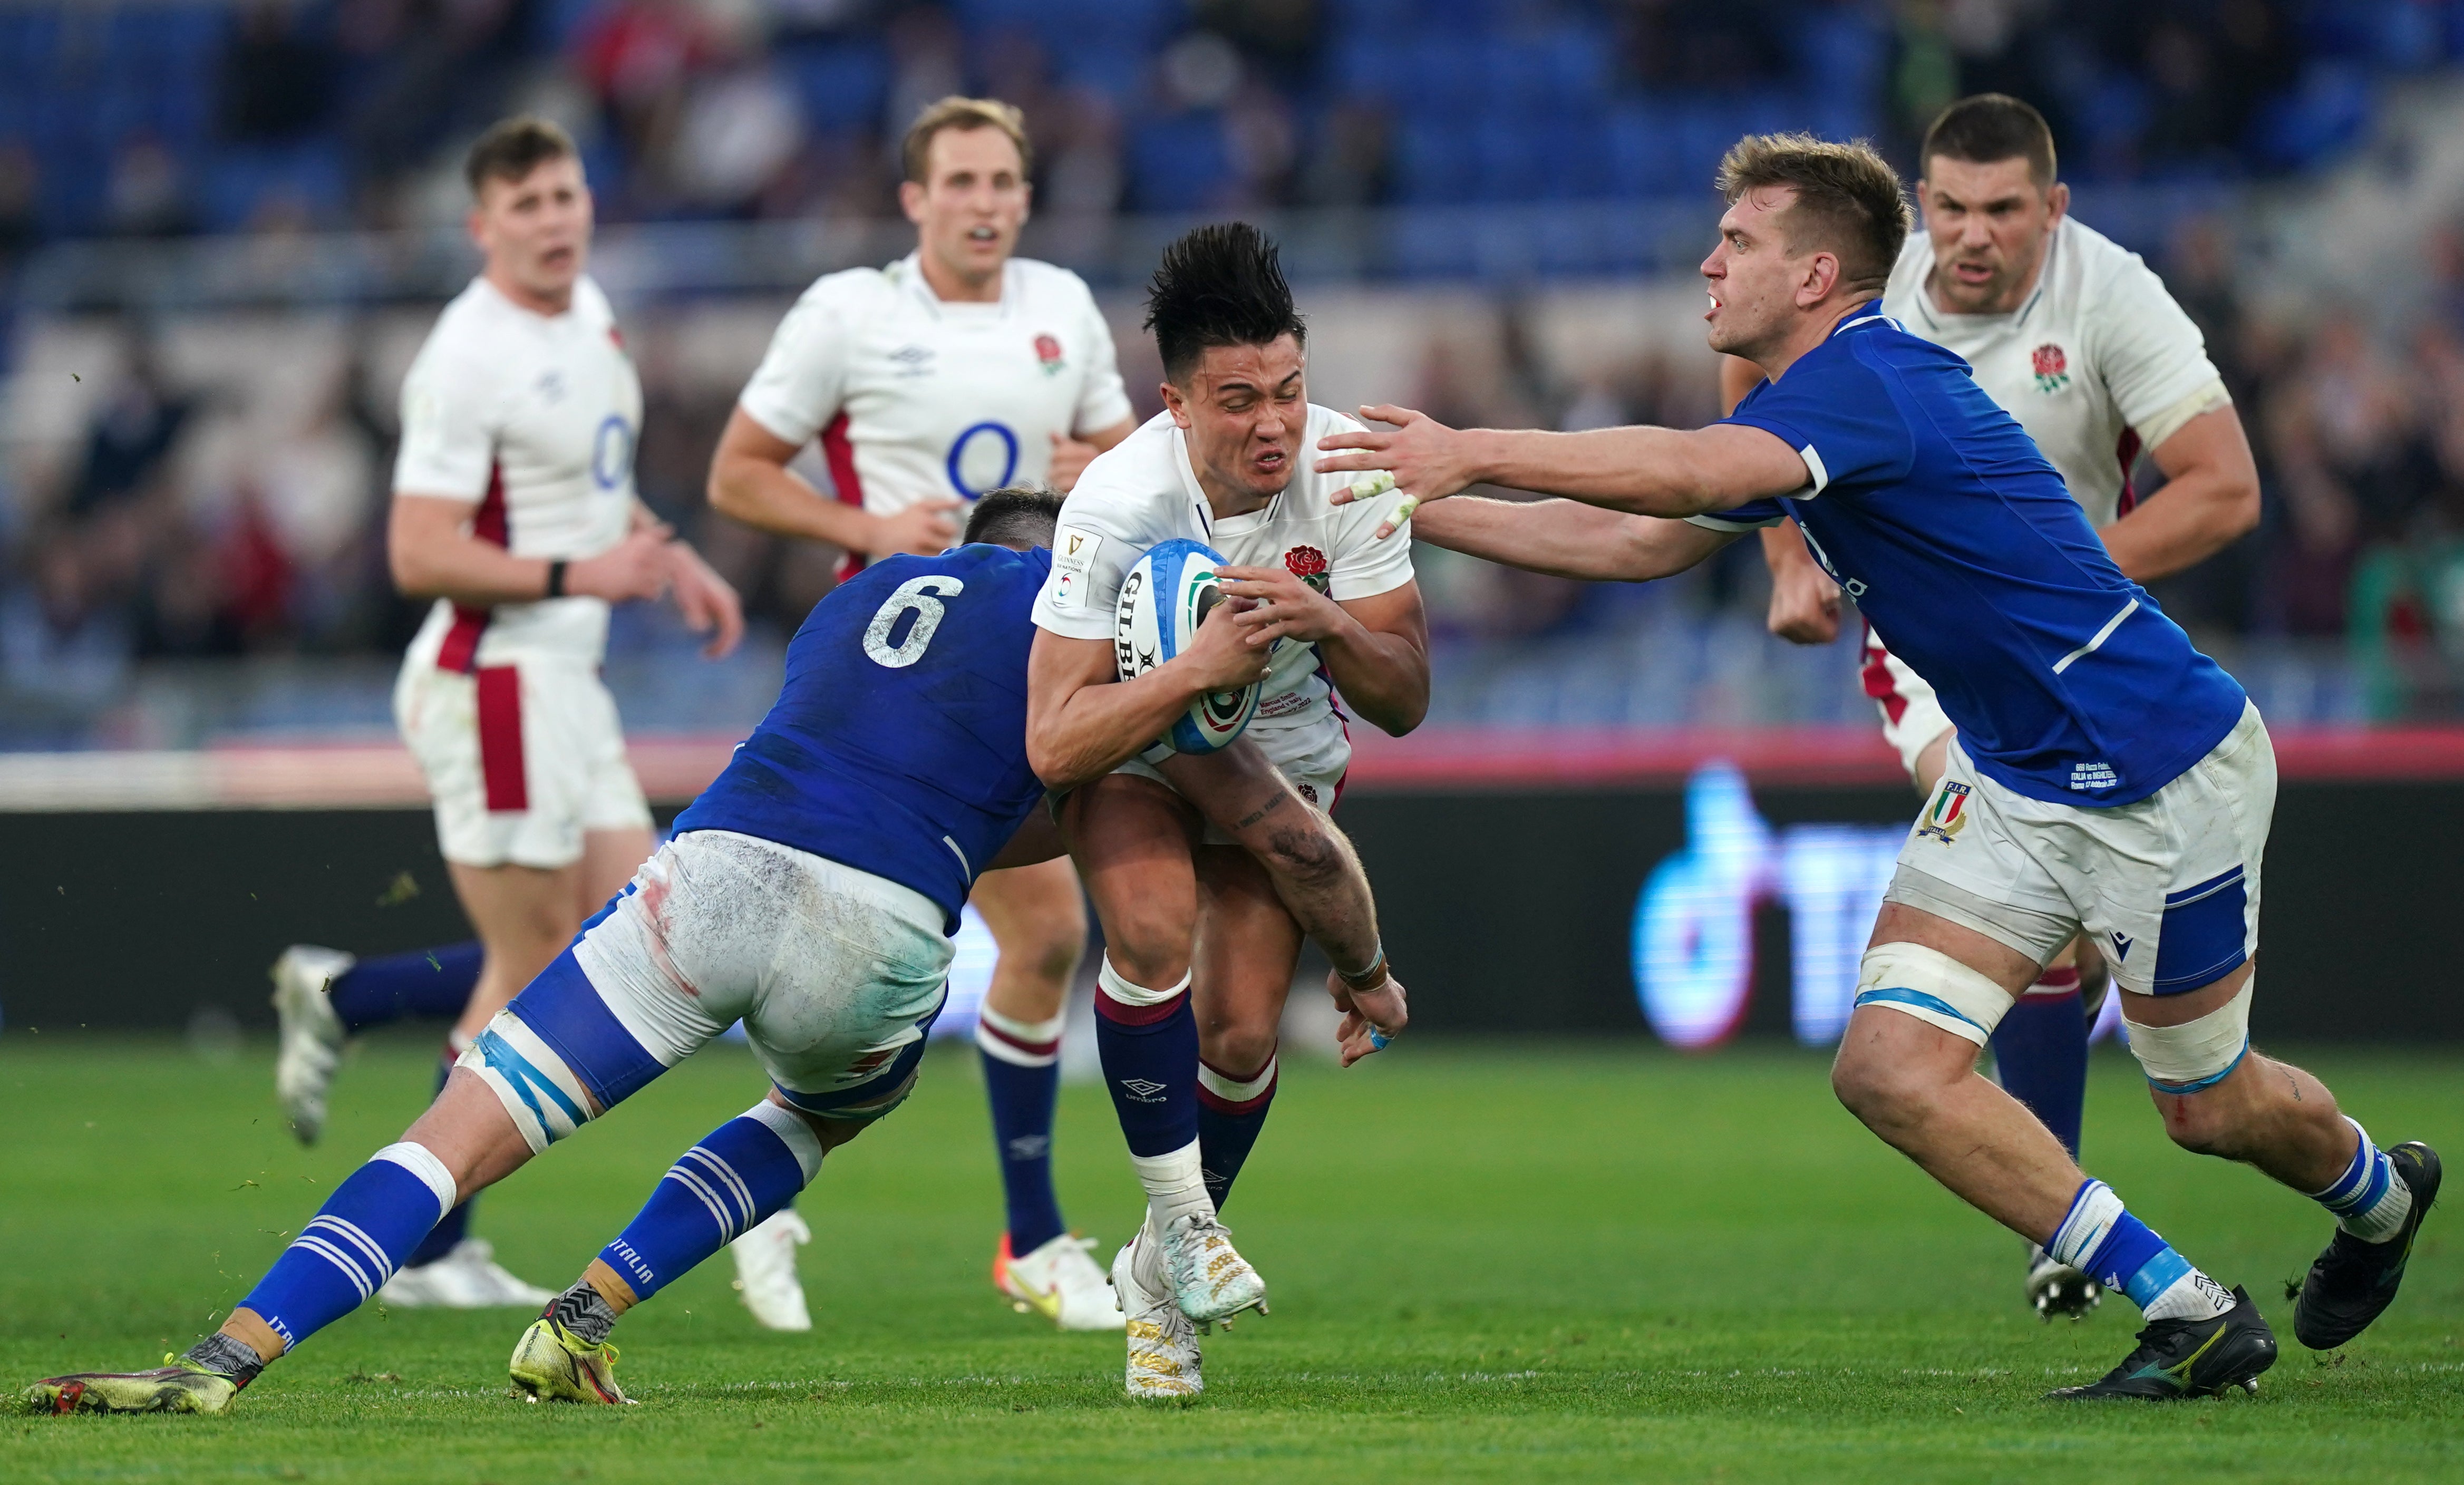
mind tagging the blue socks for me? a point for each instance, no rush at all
(742, 1171)
(431, 984)
(2105, 1242)
(2367, 1199)
(1022, 1083)
(2040, 1053)
(455, 1225)
(1231, 1110)
(1148, 1039)
(354, 1243)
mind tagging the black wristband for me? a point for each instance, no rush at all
(556, 578)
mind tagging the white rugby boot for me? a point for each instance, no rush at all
(312, 1035)
(1209, 1280)
(2056, 1288)
(1060, 1282)
(765, 1271)
(1163, 1344)
(468, 1278)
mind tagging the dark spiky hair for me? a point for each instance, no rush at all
(1220, 285)
(1019, 516)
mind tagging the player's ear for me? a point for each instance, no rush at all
(1175, 404)
(911, 200)
(2057, 202)
(1822, 273)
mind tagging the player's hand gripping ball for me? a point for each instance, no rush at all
(1163, 600)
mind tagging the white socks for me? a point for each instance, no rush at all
(2193, 1295)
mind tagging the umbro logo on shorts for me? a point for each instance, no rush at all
(1142, 1090)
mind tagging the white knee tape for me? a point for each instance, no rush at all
(1932, 987)
(2196, 1054)
(544, 1098)
(1116, 985)
(794, 1133)
(422, 1162)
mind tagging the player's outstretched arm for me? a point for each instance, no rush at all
(1650, 472)
(1568, 539)
(750, 482)
(1316, 873)
(1082, 722)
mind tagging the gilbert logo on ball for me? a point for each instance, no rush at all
(1166, 596)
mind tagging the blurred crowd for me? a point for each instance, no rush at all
(190, 522)
(153, 119)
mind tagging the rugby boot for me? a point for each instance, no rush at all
(312, 1033)
(179, 1385)
(2190, 1357)
(1163, 1356)
(1208, 1280)
(2353, 1281)
(2056, 1288)
(551, 1361)
(765, 1271)
(1059, 1283)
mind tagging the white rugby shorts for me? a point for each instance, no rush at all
(1312, 757)
(2168, 886)
(836, 973)
(521, 760)
(1913, 717)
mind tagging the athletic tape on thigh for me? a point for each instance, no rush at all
(2196, 1054)
(1932, 987)
(546, 1101)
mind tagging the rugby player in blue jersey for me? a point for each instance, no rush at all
(898, 748)
(2105, 776)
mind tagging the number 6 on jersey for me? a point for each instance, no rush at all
(921, 596)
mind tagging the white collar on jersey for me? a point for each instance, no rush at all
(909, 273)
(1866, 320)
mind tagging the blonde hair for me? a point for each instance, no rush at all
(962, 113)
(1848, 199)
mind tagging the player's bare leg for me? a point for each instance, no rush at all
(1038, 919)
(2042, 1061)
(1247, 947)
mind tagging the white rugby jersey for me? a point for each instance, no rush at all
(1143, 491)
(535, 418)
(2098, 362)
(916, 399)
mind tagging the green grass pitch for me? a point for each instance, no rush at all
(1534, 1263)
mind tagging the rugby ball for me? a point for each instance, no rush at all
(1166, 596)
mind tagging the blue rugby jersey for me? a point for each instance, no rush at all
(1933, 509)
(899, 743)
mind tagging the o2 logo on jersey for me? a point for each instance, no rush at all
(611, 452)
(971, 454)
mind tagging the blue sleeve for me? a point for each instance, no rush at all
(1837, 414)
(1765, 512)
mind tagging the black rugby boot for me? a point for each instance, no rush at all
(2190, 1358)
(2354, 1282)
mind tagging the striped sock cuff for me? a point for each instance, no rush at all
(1020, 1044)
(2062, 979)
(422, 1162)
(1120, 1001)
(1228, 1094)
(794, 1133)
(2364, 1181)
(2084, 1228)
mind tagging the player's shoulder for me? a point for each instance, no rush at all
(851, 291)
(1049, 283)
(471, 336)
(2095, 270)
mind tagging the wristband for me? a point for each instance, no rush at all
(1370, 978)
(556, 578)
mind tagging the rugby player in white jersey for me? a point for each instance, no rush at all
(2077, 339)
(959, 369)
(513, 509)
(1198, 947)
